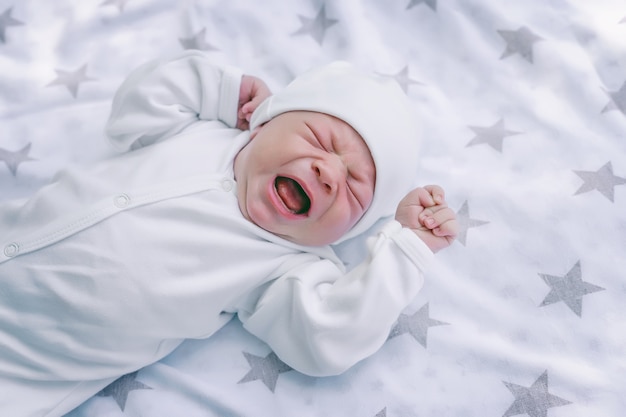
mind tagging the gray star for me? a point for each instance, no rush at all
(120, 388)
(71, 79)
(431, 3)
(120, 4)
(197, 41)
(534, 400)
(266, 369)
(416, 325)
(403, 79)
(570, 289)
(602, 180)
(382, 413)
(493, 136)
(14, 159)
(465, 223)
(519, 41)
(618, 100)
(7, 20)
(316, 27)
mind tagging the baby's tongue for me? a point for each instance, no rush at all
(292, 195)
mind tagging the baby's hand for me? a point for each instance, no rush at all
(424, 210)
(252, 92)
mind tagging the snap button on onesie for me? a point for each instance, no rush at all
(11, 250)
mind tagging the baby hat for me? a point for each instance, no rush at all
(377, 108)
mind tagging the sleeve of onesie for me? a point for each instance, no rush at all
(321, 321)
(161, 98)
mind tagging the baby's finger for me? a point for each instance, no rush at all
(424, 197)
(409, 215)
(251, 106)
(437, 193)
(435, 216)
(248, 107)
(449, 228)
(242, 124)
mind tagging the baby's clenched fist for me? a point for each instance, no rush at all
(252, 92)
(424, 210)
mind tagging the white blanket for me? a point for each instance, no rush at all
(523, 105)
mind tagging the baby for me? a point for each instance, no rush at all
(228, 203)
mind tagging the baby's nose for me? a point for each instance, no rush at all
(330, 171)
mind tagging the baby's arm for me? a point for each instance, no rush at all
(321, 320)
(162, 98)
(425, 212)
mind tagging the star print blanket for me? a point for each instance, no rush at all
(523, 105)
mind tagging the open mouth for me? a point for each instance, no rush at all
(292, 195)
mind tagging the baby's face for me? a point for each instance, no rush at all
(305, 176)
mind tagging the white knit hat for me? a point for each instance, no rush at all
(374, 106)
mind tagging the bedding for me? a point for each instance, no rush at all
(523, 111)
